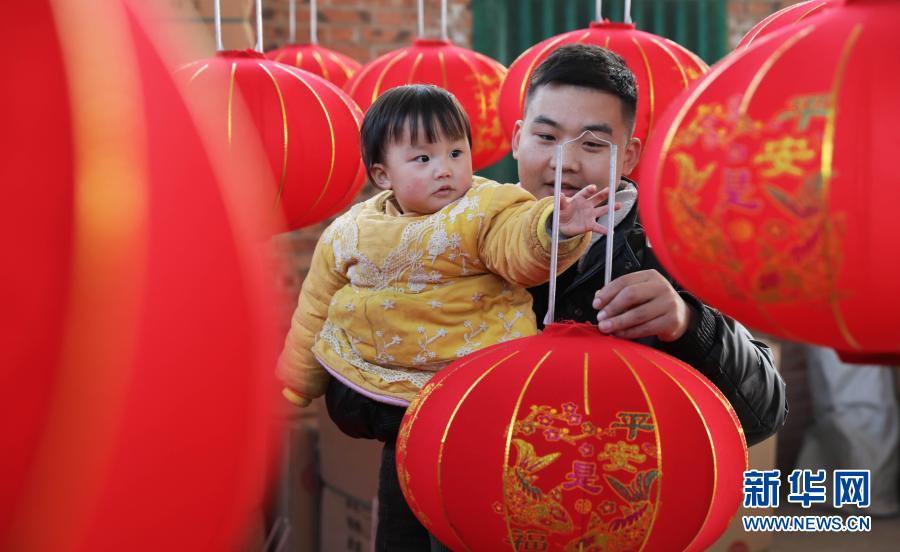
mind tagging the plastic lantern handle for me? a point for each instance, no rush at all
(554, 233)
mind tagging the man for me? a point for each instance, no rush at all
(579, 88)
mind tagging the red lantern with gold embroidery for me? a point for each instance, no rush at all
(473, 78)
(771, 191)
(571, 440)
(662, 69)
(318, 60)
(784, 17)
(136, 348)
(309, 129)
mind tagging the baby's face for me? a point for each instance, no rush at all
(427, 177)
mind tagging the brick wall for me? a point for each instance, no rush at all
(366, 29)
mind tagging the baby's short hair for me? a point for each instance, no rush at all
(436, 110)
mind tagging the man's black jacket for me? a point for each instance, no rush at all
(716, 345)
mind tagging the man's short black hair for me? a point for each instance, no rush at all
(591, 67)
(407, 107)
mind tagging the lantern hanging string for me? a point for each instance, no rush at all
(554, 233)
(292, 22)
(217, 25)
(628, 11)
(421, 15)
(313, 23)
(443, 19)
(598, 10)
(259, 37)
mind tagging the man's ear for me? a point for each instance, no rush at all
(517, 137)
(632, 155)
(380, 177)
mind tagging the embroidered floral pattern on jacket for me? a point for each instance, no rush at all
(389, 300)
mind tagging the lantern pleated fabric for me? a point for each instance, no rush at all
(136, 344)
(772, 189)
(571, 440)
(308, 128)
(472, 77)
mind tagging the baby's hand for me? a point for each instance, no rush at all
(578, 214)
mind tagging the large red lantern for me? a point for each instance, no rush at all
(571, 440)
(135, 364)
(662, 69)
(309, 129)
(771, 191)
(328, 64)
(473, 78)
(784, 17)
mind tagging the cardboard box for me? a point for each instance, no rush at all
(348, 466)
(349, 472)
(298, 496)
(735, 539)
(347, 523)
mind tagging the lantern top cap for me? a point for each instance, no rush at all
(607, 24)
(567, 328)
(253, 54)
(431, 42)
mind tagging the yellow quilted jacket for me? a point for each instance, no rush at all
(389, 300)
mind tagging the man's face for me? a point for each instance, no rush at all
(558, 113)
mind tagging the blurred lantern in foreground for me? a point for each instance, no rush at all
(771, 192)
(135, 358)
(662, 70)
(783, 18)
(308, 127)
(571, 440)
(328, 64)
(473, 78)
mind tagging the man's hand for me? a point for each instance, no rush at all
(578, 214)
(642, 304)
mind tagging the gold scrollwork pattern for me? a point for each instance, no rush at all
(568, 468)
(747, 199)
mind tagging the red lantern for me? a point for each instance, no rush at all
(136, 352)
(662, 69)
(771, 191)
(318, 60)
(571, 440)
(309, 129)
(473, 78)
(784, 17)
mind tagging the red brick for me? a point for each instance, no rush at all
(386, 36)
(340, 15)
(334, 34)
(398, 18)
